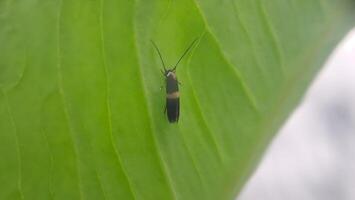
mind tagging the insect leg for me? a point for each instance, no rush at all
(165, 109)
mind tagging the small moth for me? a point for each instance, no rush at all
(172, 106)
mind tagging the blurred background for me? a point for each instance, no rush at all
(313, 155)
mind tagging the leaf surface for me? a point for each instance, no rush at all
(81, 104)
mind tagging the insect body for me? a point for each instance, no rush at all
(172, 107)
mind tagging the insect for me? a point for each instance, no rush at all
(172, 106)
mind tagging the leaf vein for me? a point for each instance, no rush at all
(199, 109)
(18, 148)
(237, 73)
(162, 161)
(245, 30)
(108, 104)
(50, 178)
(275, 42)
(61, 92)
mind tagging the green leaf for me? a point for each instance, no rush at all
(81, 109)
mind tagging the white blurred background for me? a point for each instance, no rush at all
(313, 156)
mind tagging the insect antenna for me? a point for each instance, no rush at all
(161, 58)
(187, 50)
